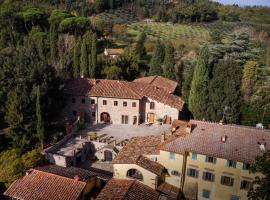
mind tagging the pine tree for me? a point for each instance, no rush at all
(92, 71)
(168, 69)
(76, 59)
(39, 121)
(249, 79)
(157, 60)
(84, 59)
(198, 92)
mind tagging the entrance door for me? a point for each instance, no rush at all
(108, 155)
(151, 117)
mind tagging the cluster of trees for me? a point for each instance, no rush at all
(227, 83)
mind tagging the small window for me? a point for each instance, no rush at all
(208, 176)
(93, 114)
(171, 156)
(93, 101)
(231, 163)
(175, 173)
(73, 100)
(104, 102)
(210, 159)
(115, 103)
(125, 104)
(233, 197)
(83, 101)
(74, 112)
(192, 172)
(194, 156)
(245, 185)
(246, 166)
(152, 105)
(225, 180)
(133, 104)
(206, 193)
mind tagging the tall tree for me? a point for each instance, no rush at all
(249, 79)
(39, 121)
(168, 65)
(84, 59)
(92, 71)
(224, 91)
(139, 47)
(76, 59)
(198, 101)
(157, 60)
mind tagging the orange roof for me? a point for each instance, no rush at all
(38, 185)
(160, 82)
(121, 89)
(122, 189)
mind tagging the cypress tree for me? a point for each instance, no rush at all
(76, 59)
(39, 121)
(84, 59)
(139, 48)
(168, 69)
(198, 92)
(157, 60)
(92, 71)
(53, 42)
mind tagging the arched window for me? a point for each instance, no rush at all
(152, 105)
(134, 173)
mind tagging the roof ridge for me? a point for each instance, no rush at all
(154, 79)
(52, 174)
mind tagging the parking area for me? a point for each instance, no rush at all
(125, 132)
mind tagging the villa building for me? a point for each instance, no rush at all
(204, 160)
(145, 100)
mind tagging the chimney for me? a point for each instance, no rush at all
(224, 139)
(188, 128)
(163, 136)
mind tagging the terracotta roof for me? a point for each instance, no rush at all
(134, 151)
(122, 189)
(71, 172)
(121, 89)
(160, 82)
(118, 51)
(241, 144)
(40, 185)
(169, 190)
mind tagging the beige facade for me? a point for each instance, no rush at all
(149, 178)
(220, 168)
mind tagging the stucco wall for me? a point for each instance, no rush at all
(120, 171)
(160, 109)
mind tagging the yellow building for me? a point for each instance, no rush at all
(211, 160)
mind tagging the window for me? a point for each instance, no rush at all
(124, 119)
(175, 173)
(104, 102)
(152, 105)
(125, 104)
(194, 156)
(192, 172)
(246, 166)
(115, 103)
(74, 112)
(133, 104)
(225, 180)
(73, 100)
(233, 197)
(245, 185)
(93, 101)
(171, 156)
(208, 176)
(83, 101)
(210, 159)
(93, 114)
(231, 163)
(134, 173)
(206, 194)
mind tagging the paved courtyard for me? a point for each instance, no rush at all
(122, 132)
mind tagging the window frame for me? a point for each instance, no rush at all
(175, 173)
(248, 185)
(194, 156)
(208, 159)
(231, 163)
(134, 104)
(192, 172)
(92, 101)
(115, 103)
(208, 176)
(152, 105)
(230, 183)
(171, 156)
(125, 103)
(206, 193)
(83, 100)
(104, 102)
